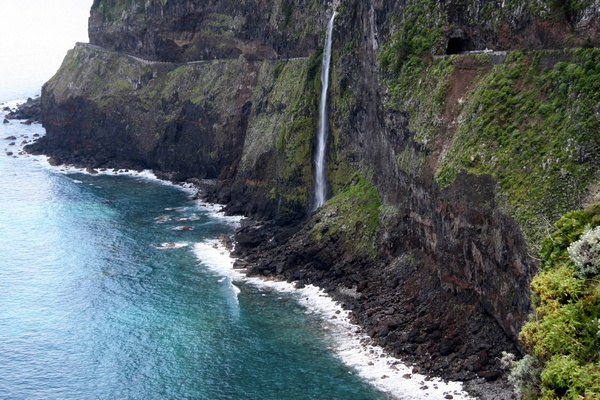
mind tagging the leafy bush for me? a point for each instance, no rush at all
(568, 229)
(562, 335)
(585, 253)
(569, 378)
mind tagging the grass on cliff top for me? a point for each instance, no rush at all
(353, 215)
(563, 334)
(535, 129)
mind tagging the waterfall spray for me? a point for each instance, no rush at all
(322, 132)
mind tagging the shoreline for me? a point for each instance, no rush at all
(350, 343)
(464, 389)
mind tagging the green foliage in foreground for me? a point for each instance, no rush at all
(563, 334)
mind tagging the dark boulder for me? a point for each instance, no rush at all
(489, 375)
(30, 111)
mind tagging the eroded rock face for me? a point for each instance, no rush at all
(186, 30)
(418, 311)
(448, 284)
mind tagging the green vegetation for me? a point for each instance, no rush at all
(420, 89)
(278, 143)
(108, 78)
(530, 122)
(279, 85)
(534, 128)
(218, 25)
(353, 215)
(72, 62)
(563, 334)
(288, 11)
(294, 144)
(419, 30)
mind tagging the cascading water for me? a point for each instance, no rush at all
(322, 133)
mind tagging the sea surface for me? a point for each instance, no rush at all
(115, 285)
(104, 294)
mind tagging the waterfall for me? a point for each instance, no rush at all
(322, 132)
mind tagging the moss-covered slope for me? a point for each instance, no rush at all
(532, 124)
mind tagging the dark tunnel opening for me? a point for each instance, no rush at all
(455, 45)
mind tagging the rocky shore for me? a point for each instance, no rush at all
(454, 343)
(29, 112)
(387, 302)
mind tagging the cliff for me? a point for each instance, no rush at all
(445, 167)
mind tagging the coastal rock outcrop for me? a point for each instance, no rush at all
(430, 234)
(29, 111)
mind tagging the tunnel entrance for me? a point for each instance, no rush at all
(456, 45)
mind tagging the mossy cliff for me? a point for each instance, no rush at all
(198, 120)
(446, 169)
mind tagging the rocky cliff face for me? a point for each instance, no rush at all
(432, 225)
(204, 30)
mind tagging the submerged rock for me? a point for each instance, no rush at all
(53, 161)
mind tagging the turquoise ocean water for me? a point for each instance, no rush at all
(93, 307)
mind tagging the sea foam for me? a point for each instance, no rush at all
(348, 341)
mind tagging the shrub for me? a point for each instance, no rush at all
(585, 253)
(525, 375)
(562, 336)
(568, 378)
